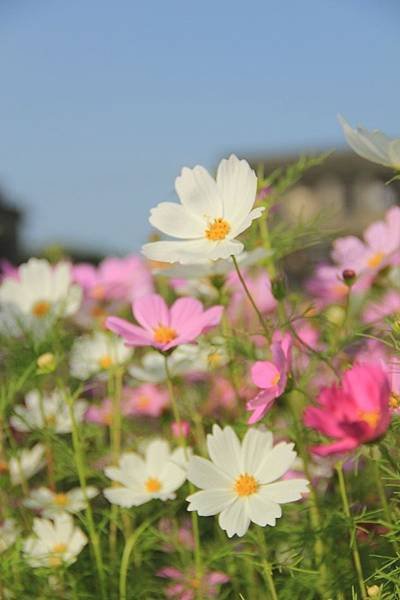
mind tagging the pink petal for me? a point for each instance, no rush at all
(183, 312)
(151, 311)
(265, 374)
(133, 335)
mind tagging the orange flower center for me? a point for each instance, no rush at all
(371, 417)
(41, 308)
(153, 485)
(375, 260)
(217, 230)
(61, 500)
(394, 400)
(105, 361)
(3, 467)
(98, 292)
(164, 335)
(276, 379)
(55, 559)
(143, 402)
(214, 359)
(246, 485)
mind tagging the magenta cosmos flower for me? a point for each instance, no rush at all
(186, 586)
(270, 376)
(354, 412)
(163, 327)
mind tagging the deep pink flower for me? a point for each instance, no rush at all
(354, 412)
(180, 429)
(187, 586)
(163, 327)
(392, 369)
(147, 399)
(115, 279)
(7, 270)
(270, 376)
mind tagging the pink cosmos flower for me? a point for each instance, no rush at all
(147, 399)
(392, 369)
(115, 279)
(270, 376)
(260, 288)
(388, 305)
(180, 429)
(8, 270)
(327, 284)
(354, 412)
(163, 327)
(100, 413)
(179, 535)
(380, 247)
(187, 586)
(222, 397)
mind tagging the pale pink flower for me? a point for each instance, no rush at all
(180, 429)
(354, 412)
(260, 288)
(328, 286)
(178, 535)
(270, 376)
(163, 327)
(388, 305)
(222, 397)
(187, 586)
(147, 399)
(115, 279)
(100, 413)
(380, 246)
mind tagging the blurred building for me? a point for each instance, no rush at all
(10, 220)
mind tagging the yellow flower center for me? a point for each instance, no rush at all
(164, 335)
(375, 260)
(50, 420)
(246, 485)
(214, 359)
(41, 308)
(153, 485)
(217, 230)
(60, 500)
(98, 292)
(371, 417)
(55, 559)
(195, 583)
(105, 361)
(394, 400)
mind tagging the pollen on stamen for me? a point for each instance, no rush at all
(41, 308)
(217, 230)
(376, 260)
(153, 485)
(164, 334)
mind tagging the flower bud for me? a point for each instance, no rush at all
(349, 277)
(373, 591)
(278, 288)
(181, 429)
(46, 363)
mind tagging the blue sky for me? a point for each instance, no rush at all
(102, 102)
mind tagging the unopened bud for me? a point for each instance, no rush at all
(181, 429)
(396, 327)
(278, 288)
(373, 591)
(46, 362)
(349, 277)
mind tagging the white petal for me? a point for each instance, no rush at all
(172, 478)
(263, 511)
(255, 445)
(276, 463)
(370, 145)
(124, 497)
(210, 502)
(394, 153)
(204, 474)
(235, 519)
(198, 192)
(285, 491)
(175, 220)
(254, 214)
(224, 450)
(237, 184)
(157, 455)
(184, 252)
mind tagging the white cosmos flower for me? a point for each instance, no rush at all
(158, 475)
(40, 294)
(373, 145)
(188, 358)
(211, 215)
(47, 410)
(96, 353)
(9, 531)
(52, 503)
(54, 542)
(26, 464)
(240, 484)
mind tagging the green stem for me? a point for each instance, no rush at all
(267, 569)
(80, 467)
(382, 497)
(251, 299)
(129, 545)
(353, 539)
(182, 442)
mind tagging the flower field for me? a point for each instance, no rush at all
(189, 423)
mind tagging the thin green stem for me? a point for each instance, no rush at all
(353, 539)
(267, 569)
(129, 545)
(382, 497)
(182, 442)
(251, 299)
(80, 467)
